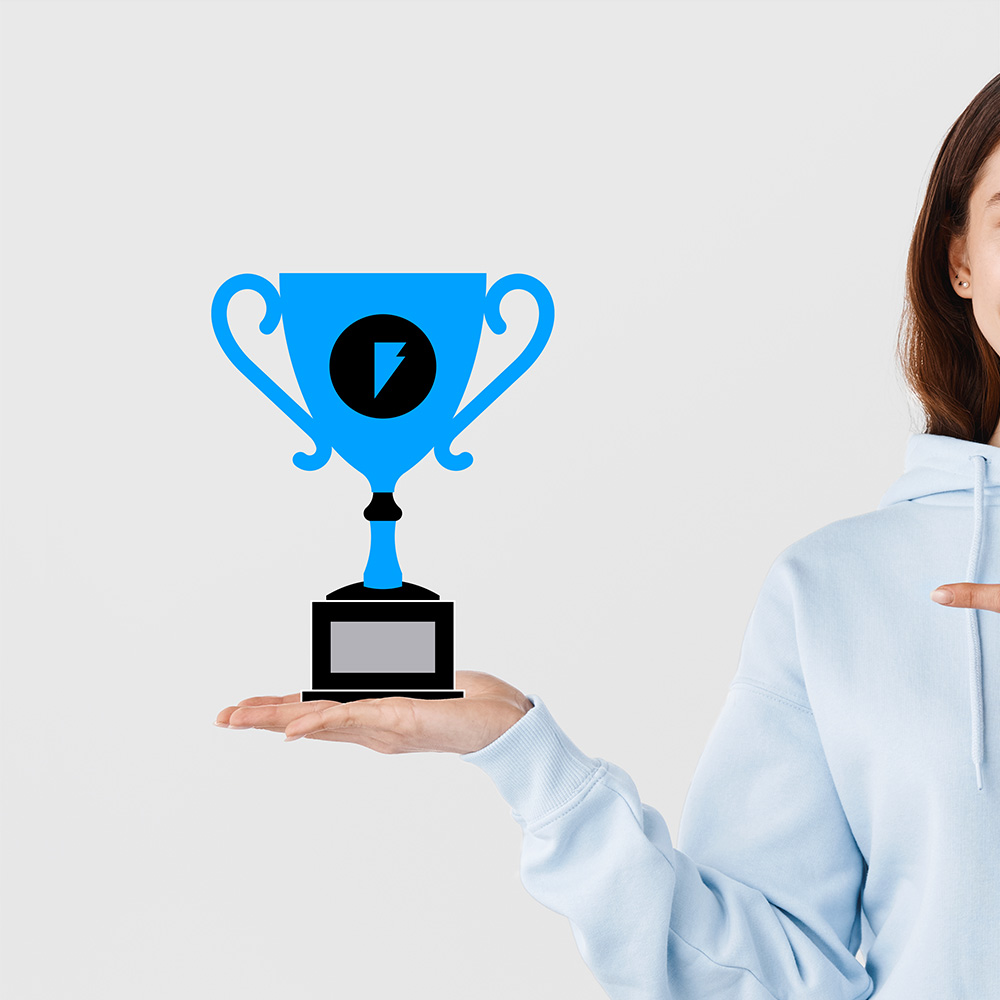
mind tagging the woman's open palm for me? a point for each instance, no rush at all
(392, 725)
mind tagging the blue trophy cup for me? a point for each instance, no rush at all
(382, 362)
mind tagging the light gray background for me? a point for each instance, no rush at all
(719, 197)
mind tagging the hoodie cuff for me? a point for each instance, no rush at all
(534, 764)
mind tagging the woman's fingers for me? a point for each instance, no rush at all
(382, 724)
(392, 724)
(222, 719)
(267, 715)
(376, 715)
(269, 699)
(969, 595)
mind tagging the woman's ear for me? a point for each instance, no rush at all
(959, 267)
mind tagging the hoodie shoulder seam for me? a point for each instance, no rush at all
(766, 692)
(723, 965)
(866, 992)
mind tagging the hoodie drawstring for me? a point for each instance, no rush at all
(975, 648)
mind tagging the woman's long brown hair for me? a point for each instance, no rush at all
(943, 355)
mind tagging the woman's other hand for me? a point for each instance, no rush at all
(392, 725)
(969, 595)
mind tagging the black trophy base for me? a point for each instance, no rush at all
(359, 592)
(358, 695)
(402, 647)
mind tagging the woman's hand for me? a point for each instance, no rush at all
(392, 725)
(969, 595)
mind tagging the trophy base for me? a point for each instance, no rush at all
(359, 592)
(358, 695)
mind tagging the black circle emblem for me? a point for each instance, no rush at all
(382, 366)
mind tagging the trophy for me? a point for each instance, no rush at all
(382, 362)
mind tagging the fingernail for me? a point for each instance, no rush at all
(288, 739)
(222, 725)
(943, 596)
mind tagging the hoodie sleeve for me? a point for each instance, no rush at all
(759, 900)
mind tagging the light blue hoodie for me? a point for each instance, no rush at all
(849, 794)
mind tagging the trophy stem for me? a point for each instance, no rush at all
(382, 571)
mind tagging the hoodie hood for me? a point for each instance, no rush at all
(940, 469)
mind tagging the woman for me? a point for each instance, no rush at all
(849, 795)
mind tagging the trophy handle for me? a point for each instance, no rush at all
(274, 392)
(503, 381)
